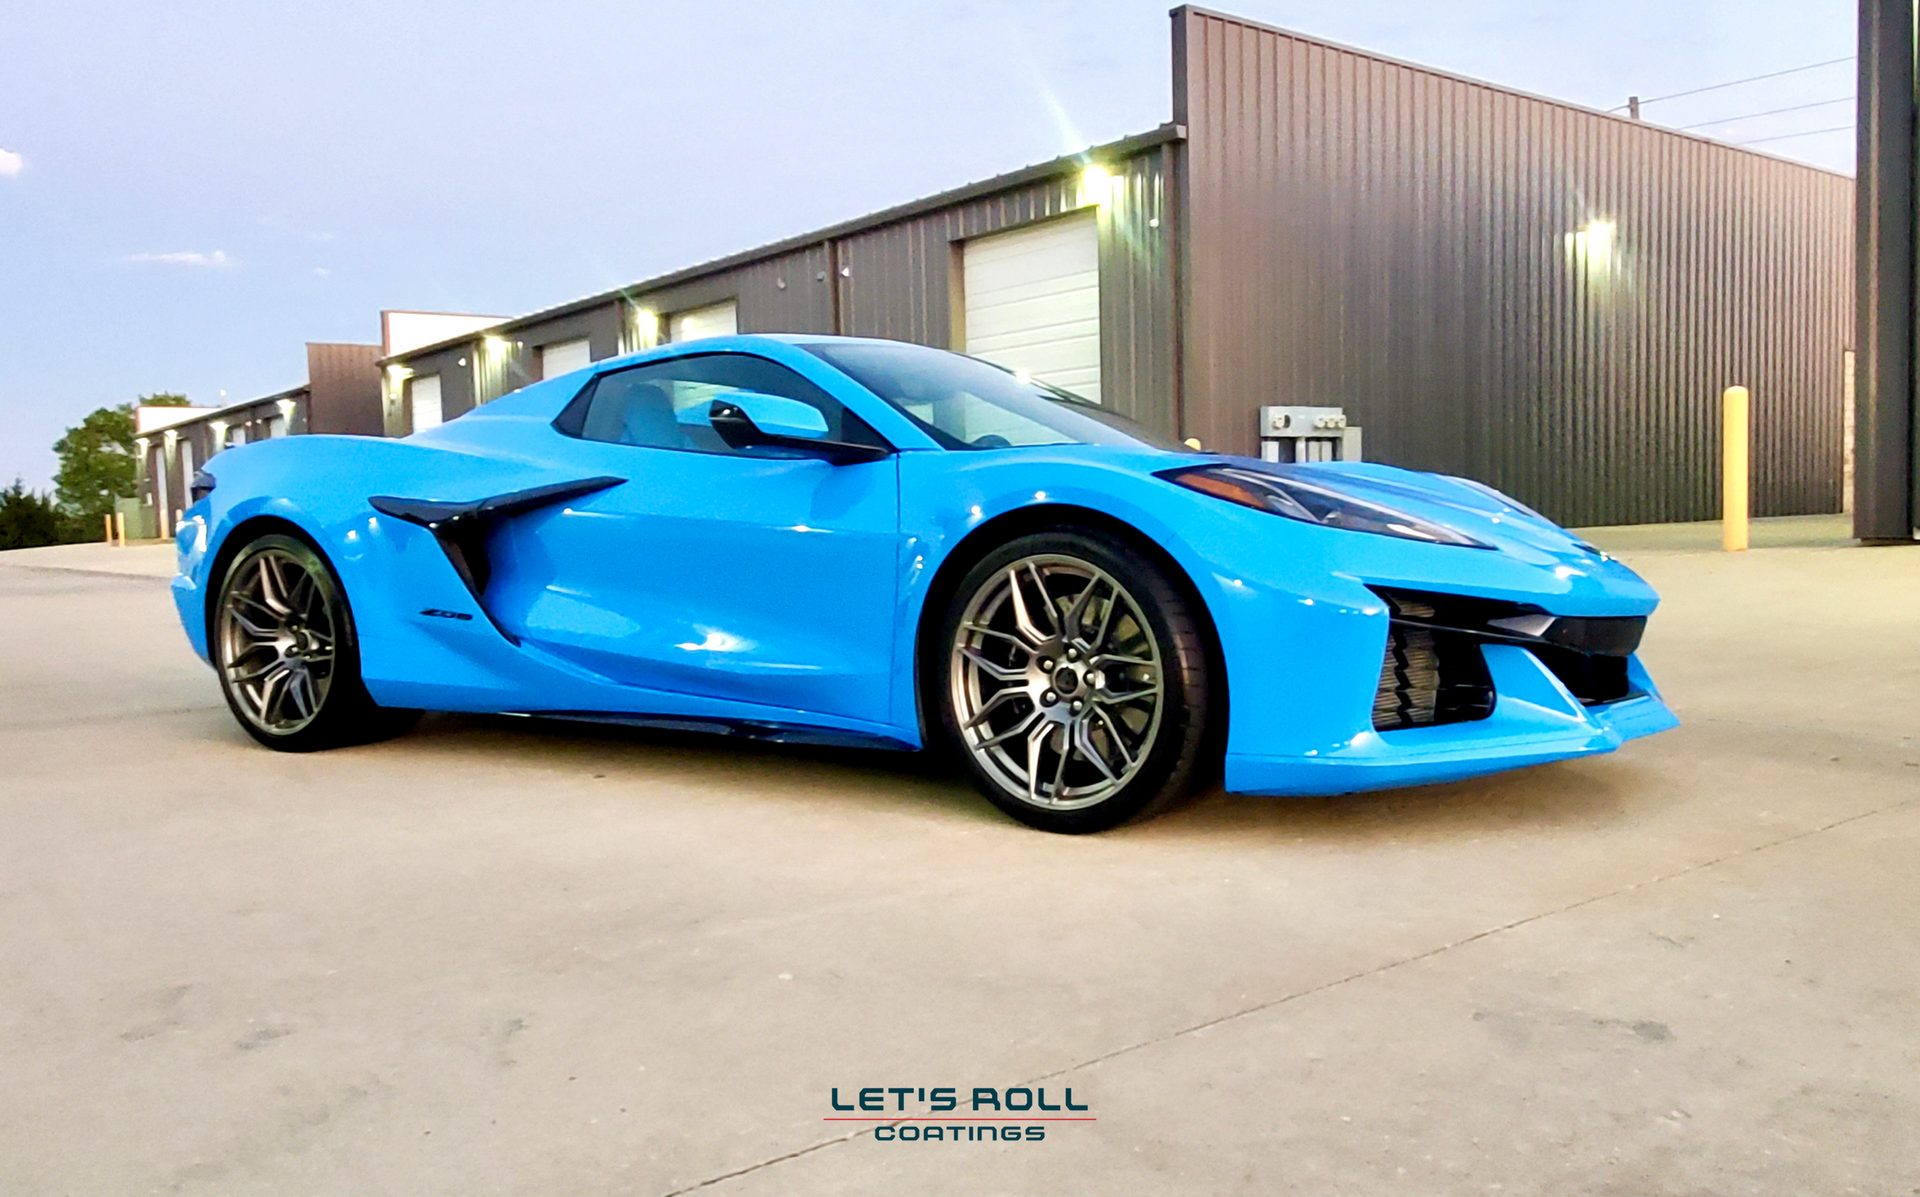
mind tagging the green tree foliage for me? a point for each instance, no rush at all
(29, 520)
(96, 458)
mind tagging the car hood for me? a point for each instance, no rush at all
(1467, 507)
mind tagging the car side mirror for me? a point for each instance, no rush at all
(746, 418)
(770, 415)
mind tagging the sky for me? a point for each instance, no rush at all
(190, 192)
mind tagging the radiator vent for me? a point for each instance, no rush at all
(1430, 676)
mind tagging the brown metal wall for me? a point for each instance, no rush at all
(599, 327)
(902, 280)
(344, 382)
(895, 278)
(1394, 240)
(459, 377)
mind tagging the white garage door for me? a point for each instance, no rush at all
(423, 398)
(564, 357)
(1033, 302)
(719, 320)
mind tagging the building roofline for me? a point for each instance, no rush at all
(1390, 60)
(229, 409)
(1125, 147)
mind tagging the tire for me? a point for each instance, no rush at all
(1080, 710)
(282, 642)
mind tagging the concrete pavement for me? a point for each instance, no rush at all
(499, 957)
(142, 559)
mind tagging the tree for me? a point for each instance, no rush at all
(29, 520)
(96, 458)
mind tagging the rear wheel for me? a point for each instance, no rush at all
(1073, 682)
(284, 647)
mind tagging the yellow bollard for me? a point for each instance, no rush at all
(109, 523)
(120, 527)
(1735, 440)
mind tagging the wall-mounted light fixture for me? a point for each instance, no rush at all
(1592, 249)
(646, 329)
(1097, 186)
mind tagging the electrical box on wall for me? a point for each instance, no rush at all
(1307, 434)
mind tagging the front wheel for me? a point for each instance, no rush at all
(1073, 682)
(283, 644)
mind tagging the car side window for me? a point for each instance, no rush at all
(662, 405)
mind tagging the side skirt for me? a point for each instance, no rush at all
(766, 733)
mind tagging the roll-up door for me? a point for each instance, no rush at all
(1033, 301)
(423, 397)
(564, 357)
(717, 320)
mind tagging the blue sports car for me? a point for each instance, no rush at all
(829, 540)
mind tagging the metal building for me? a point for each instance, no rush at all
(1538, 295)
(341, 395)
(1887, 432)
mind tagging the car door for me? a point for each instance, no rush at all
(758, 576)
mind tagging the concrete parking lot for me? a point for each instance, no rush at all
(493, 957)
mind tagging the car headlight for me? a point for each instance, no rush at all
(1311, 503)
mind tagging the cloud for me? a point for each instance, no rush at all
(11, 164)
(216, 260)
(322, 271)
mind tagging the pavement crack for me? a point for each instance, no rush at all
(1377, 970)
(768, 1163)
(1430, 953)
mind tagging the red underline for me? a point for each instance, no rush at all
(912, 1118)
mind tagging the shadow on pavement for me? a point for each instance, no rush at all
(1592, 792)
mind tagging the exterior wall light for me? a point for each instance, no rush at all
(1593, 249)
(1096, 185)
(646, 330)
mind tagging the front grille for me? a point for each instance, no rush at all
(1432, 671)
(1428, 677)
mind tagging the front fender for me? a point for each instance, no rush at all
(1301, 633)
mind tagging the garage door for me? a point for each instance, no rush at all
(564, 357)
(1033, 302)
(719, 320)
(423, 396)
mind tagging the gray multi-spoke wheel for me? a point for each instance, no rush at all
(1075, 681)
(282, 642)
(277, 637)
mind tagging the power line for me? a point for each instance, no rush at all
(1737, 82)
(1769, 112)
(1787, 136)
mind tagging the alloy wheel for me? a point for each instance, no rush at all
(277, 634)
(1057, 682)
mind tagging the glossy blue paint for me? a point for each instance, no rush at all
(788, 591)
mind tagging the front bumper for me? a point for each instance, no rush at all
(1535, 719)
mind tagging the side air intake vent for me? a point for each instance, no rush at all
(1429, 676)
(1433, 671)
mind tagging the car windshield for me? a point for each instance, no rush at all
(965, 403)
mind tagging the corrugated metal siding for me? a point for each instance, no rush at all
(902, 280)
(459, 375)
(1397, 241)
(896, 279)
(344, 384)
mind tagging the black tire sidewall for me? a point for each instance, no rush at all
(1170, 762)
(345, 712)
